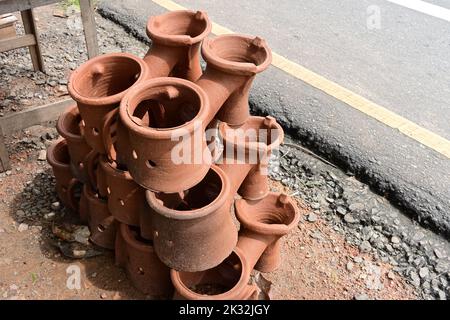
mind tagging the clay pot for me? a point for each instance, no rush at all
(147, 273)
(232, 63)
(228, 281)
(98, 86)
(263, 223)
(246, 154)
(176, 38)
(70, 126)
(125, 197)
(165, 122)
(102, 224)
(194, 230)
(59, 159)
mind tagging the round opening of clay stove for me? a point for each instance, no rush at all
(105, 76)
(237, 53)
(217, 281)
(70, 124)
(179, 23)
(165, 104)
(59, 153)
(199, 196)
(274, 214)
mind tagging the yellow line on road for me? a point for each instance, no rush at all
(373, 110)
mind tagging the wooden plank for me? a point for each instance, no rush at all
(17, 42)
(4, 158)
(35, 50)
(7, 6)
(90, 33)
(30, 117)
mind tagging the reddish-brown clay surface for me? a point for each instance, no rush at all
(247, 150)
(125, 197)
(263, 224)
(98, 86)
(101, 224)
(59, 159)
(227, 281)
(232, 63)
(155, 113)
(194, 230)
(70, 127)
(144, 269)
(176, 37)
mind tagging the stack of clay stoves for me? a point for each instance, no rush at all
(167, 155)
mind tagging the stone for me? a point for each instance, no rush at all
(20, 213)
(356, 207)
(438, 253)
(350, 219)
(424, 272)
(49, 216)
(361, 296)
(22, 227)
(341, 210)
(442, 295)
(56, 206)
(391, 275)
(312, 217)
(349, 266)
(415, 279)
(42, 156)
(395, 240)
(358, 259)
(365, 246)
(315, 205)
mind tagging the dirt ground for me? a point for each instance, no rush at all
(317, 261)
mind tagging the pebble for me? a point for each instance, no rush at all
(103, 296)
(438, 253)
(22, 227)
(20, 213)
(56, 206)
(361, 296)
(415, 279)
(350, 219)
(395, 240)
(358, 259)
(312, 217)
(49, 216)
(350, 266)
(356, 207)
(42, 156)
(391, 275)
(424, 272)
(365, 246)
(341, 210)
(315, 205)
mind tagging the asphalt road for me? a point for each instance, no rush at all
(402, 66)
